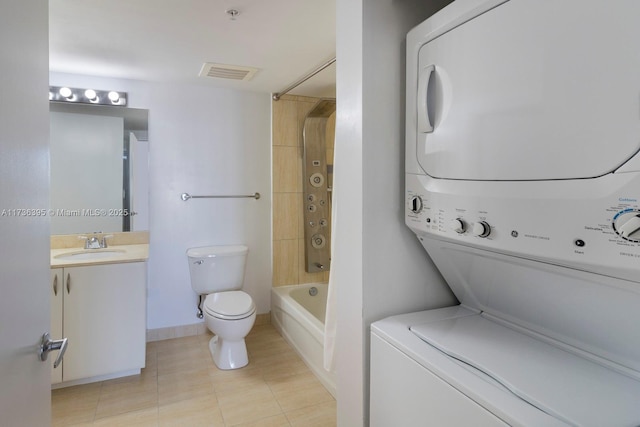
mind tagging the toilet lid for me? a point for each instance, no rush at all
(229, 305)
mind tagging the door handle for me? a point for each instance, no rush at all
(68, 283)
(55, 285)
(424, 123)
(48, 345)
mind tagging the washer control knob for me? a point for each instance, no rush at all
(627, 224)
(481, 229)
(416, 204)
(458, 225)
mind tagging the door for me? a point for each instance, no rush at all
(24, 225)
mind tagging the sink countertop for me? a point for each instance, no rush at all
(130, 253)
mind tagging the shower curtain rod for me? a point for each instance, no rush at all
(276, 96)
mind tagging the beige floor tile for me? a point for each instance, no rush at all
(192, 360)
(248, 405)
(267, 347)
(74, 405)
(263, 332)
(151, 361)
(299, 391)
(126, 395)
(144, 418)
(284, 367)
(238, 379)
(276, 421)
(177, 344)
(180, 386)
(200, 411)
(194, 350)
(128, 385)
(322, 415)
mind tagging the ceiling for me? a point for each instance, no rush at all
(170, 40)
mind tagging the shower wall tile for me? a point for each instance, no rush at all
(300, 187)
(287, 215)
(331, 133)
(285, 119)
(288, 207)
(285, 262)
(287, 165)
(303, 276)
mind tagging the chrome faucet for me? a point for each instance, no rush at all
(103, 242)
(93, 242)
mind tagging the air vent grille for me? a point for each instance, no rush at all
(222, 71)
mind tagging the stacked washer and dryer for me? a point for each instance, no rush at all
(523, 185)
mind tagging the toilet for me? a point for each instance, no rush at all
(218, 273)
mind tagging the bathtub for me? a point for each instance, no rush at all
(299, 317)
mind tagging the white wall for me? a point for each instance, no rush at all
(387, 271)
(202, 140)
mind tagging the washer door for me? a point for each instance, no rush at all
(532, 90)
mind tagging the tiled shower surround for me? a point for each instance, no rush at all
(288, 232)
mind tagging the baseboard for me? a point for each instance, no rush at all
(199, 328)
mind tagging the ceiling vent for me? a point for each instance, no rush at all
(222, 71)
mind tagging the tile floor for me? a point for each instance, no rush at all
(181, 386)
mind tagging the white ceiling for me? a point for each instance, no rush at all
(169, 40)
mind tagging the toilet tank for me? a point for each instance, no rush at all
(217, 268)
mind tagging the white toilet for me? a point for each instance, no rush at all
(218, 273)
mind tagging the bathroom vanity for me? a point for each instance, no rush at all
(98, 302)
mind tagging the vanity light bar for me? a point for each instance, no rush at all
(87, 96)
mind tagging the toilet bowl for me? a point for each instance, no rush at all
(230, 316)
(218, 273)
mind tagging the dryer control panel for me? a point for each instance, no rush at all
(592, 225)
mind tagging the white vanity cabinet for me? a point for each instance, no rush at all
(101, 309)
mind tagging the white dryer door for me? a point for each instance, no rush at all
(532, 90)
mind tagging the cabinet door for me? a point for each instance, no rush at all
(104, 319)
(56, 288)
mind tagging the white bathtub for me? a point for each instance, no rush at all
(299, 317)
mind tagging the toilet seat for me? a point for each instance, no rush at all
(231, 305)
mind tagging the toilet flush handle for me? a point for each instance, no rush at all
(199, 262)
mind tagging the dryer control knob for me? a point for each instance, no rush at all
(458, 225)
(416, 204)
(481, 229)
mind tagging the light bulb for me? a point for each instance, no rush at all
(65, 92)
(91, 94)
(114, 96)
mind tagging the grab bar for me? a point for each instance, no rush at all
(187, 196)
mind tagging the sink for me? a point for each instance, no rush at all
(91, 254)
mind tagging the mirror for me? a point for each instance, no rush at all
(99, 162)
